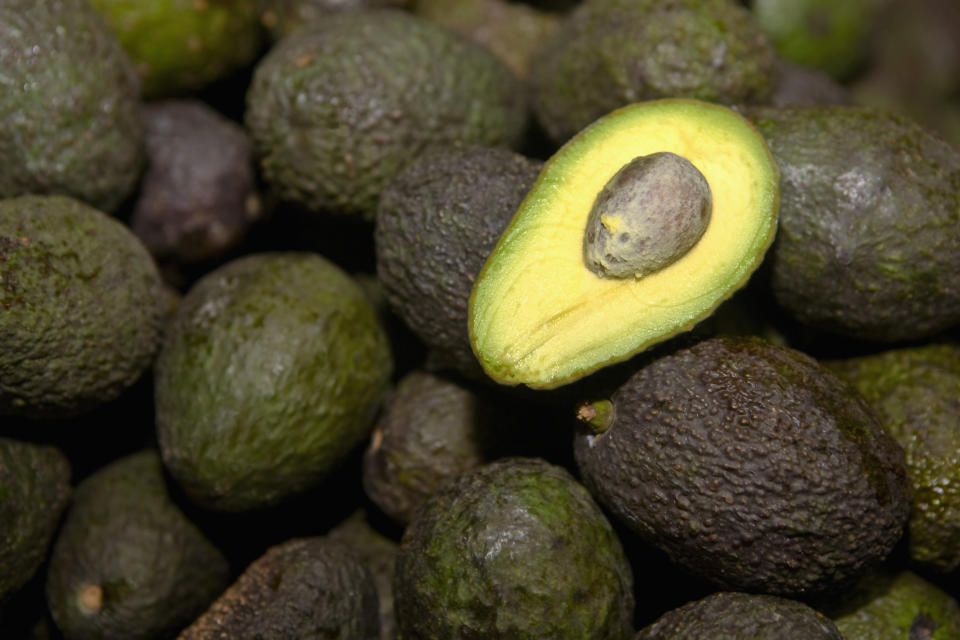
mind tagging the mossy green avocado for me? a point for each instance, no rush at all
(609, 53)
(609, 254)
(304, 588)
(437, 221)
(730, 615)
(916, 392)
(81, 307)
(869, 237)
(34, 491)
(272, 371)
(127, 563)
(179, 46)
(750, 465)
(69, 105)
(514, 549)
(335, 110)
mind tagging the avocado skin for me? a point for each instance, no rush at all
(337, 109)
(34, 491)
(436, 223)
(742, 616)
(609, 53)
(123, 533)
(869, 238)
(916, 393)
(273, 368)
(63, 350)
(750, 465)
(281, 17)
(69, 119)
(303, 589)
(514, 549)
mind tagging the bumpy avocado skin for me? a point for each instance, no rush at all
(728, 615)
(281, 17)
(273, 368)
(69, 119)
(869, 238)
(436, 223)
(514, 549)
(609, 53)
(897, 606)
(916, 392)
(34, 491)
(81, 307)
(302, 589)
(123, 535)
(337, 109)
(178, 46)
(751, 465)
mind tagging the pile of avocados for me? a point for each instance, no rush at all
(479, 319)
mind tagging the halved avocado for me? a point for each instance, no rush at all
(540, 316)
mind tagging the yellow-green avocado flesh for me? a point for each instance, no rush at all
(538, 316)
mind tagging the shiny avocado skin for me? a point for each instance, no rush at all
(750, 465)
(514, 549)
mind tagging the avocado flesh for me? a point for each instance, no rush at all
(538, 316)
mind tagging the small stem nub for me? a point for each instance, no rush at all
(598, 415)
(90, 598)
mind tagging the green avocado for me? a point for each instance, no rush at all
(179, 46)
(272, 371)
(280, 17)
(305, 588)
(69, 105)
(514, 549)
(127, 563)
(437, 221)
(728, 615)
(335, 110)
(610, 53)
(869, 237)
(916, 392)
(749, 464)
(81, 307)
(34, 491)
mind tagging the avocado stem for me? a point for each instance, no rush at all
(91, 598)
(598, 415)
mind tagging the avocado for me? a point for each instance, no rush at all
(897, 605)
(272, 371)
(180, 46)
(543, 312)
(436, 223)
(335, 110)
(869, 238)
(127, 562)
(198, 195)
(62, 349)
(305, 588)
(34, 491)
(69, 115)
(916, 392)
(610, 53)
(750, 465)
(728, 615)
(804, 87)
(513, 549)
(280, 17)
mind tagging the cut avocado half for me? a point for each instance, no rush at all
(541, 312)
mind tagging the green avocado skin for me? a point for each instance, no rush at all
(869, 239)
(155, 570)
(281, 17)
(609, 53)
(436, 223)
(916, 392)
(728, 615)
(303, 589)
(751, 465)
(69, 119)
(514, 549)
(34, 491)
(273, 368)
(337, 109)
(81, 307)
